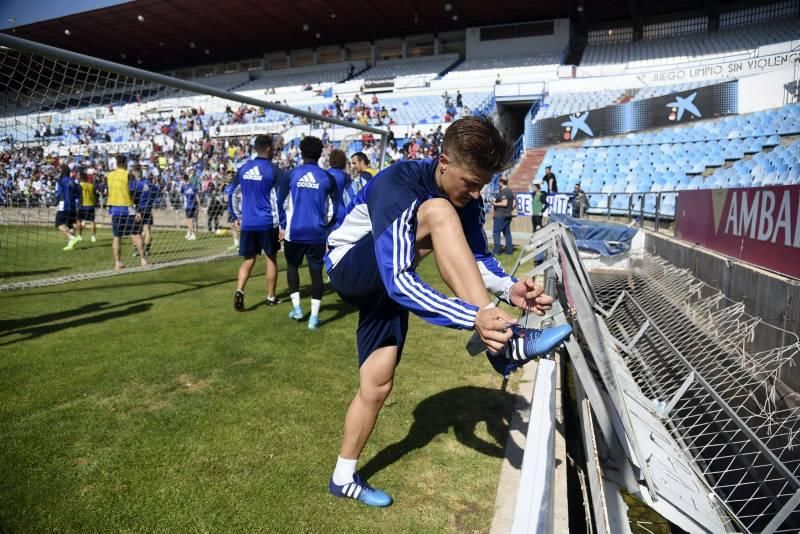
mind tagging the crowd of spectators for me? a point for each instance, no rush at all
(28, 173)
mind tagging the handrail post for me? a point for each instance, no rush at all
(641, 210)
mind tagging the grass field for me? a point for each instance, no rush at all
(142, 402)
(30, 252)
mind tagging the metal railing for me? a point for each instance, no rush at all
(653, 209)
(687, 348)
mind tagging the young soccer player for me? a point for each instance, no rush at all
(258, 218)
(88, 201)
(124, 219)
(403, 214)
(145, 193)
(68, 195)
(309, 198)
(190, 203)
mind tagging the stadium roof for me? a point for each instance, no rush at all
(162, 34)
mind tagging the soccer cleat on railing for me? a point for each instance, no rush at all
(525, 345)
(359, 490)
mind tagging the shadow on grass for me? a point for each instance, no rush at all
(27, 334)
(33, 273)
(461, 409)
(26, 328)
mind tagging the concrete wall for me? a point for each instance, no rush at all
(475, 48)
(775, 299)
(764, 91)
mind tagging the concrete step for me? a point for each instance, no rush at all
(527, 169)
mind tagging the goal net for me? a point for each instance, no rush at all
(64, 119)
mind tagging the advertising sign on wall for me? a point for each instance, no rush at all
(669, 110)
(759, 225)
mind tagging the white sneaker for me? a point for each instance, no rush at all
(94, 239)
(192, 238)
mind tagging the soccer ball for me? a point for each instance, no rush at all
(222, 231)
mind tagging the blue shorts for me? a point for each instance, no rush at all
(66, 218)
(147, 216)
(122, 225)
(382, 322)
(253, 242)
(86, 214)
(191, 213)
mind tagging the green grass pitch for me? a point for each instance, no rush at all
(144, 403)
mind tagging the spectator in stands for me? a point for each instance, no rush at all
(538, 206)
(360, 163)
(503, 204)
(550, 180)
(579, 202)
(459, 100)
(497, 80)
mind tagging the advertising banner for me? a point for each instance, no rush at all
(759, 225)
(230, 130)
(524, 204)
(557, 203)
(669, 110)
(101, 148)
(376, 86)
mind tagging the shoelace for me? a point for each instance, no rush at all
(365, 488)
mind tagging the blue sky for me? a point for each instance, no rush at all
(29, 11)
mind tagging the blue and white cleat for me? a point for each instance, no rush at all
(313, 322)
(527, 344)
(361, 491)
(296, 313)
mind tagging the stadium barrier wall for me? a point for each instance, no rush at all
(771, 297)
(759, 225)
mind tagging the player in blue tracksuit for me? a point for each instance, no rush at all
(191, 202)
(254, 189)
(145, 193)
(338, 162)
(404, 213)
(68, 194)
(309, 199)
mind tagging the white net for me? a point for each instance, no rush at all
(63, 123)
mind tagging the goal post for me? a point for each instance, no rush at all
(67, 115)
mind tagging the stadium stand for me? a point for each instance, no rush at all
(738, 151)
(692, 49)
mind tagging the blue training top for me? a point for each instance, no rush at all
(257, 181)
(386, 207)
(307, 201)
(342, 182)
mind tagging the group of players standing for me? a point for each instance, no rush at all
(299, 208)
(130, 205)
